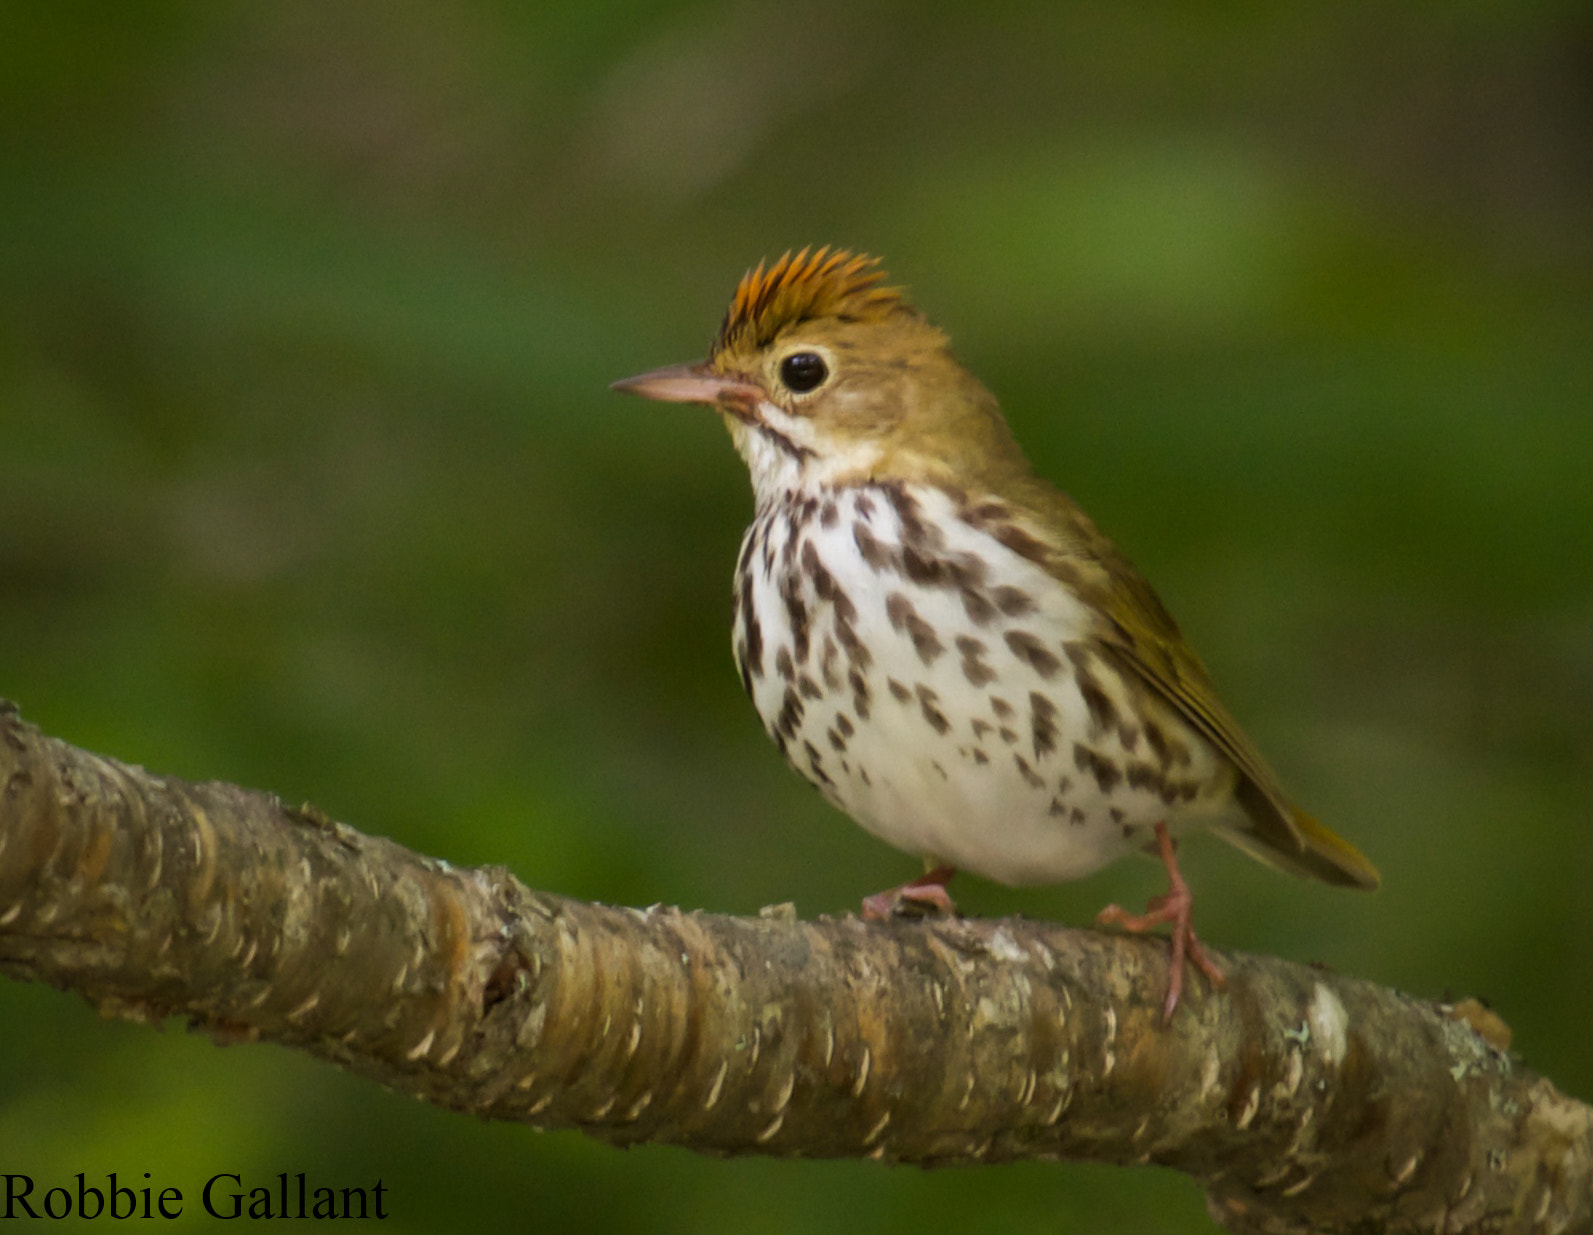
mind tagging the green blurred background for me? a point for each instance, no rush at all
(310, 480)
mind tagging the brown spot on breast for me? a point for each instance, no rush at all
(979, 756)
(982, 514)
(796, 614)
(981, 727)
(935, 763)
(845, 610)
(783, 665)
(844, 724)
(965, 572)
(1157, 740)
(823, 581)
(829, 668)
(1009, 736)
(860, 693)
(1169, 750)
(875, 552)
(836, 740)
(1028, 773)
(1097, 765)
(788, 550)
(816, 763)
(927, 703)
(901, 693)
(1141, 775)
(968, 570)
(1012, 601)
(1103, 712)
(864, 507)
(751, 630)
(1057, 809)
(790, 717)
(914, 530)
(973, 668)
(925, 571)
(1022, 543)
(812, 565)
(903, 616)
(809, 688)
(979, 609)
(1042, 724)
(857, 653)
(1001, 707)
(1033, 653)
(1077, 817)
(829, 516)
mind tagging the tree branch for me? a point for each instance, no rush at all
(1301, 1100)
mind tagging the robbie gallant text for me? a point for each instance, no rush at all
(224, 1195)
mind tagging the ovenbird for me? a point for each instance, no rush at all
(942, 642)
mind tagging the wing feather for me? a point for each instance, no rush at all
(1140, 636)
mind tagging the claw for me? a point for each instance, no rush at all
(1174, 906)
(916, 897)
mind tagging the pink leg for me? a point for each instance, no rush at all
(928, 891)
(1173, 906)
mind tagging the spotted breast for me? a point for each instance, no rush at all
(943, 690)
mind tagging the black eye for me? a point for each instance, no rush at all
(803, 371)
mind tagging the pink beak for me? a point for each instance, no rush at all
(688, 383)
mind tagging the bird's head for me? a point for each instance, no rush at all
(825, 375)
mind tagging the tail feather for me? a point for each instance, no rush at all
(1322, 854)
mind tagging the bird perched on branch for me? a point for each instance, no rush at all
(945, 644)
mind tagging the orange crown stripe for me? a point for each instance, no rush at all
(812, 283)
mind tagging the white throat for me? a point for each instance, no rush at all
(785, 454)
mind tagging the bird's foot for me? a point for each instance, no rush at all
(1175, 907)
(914, 899)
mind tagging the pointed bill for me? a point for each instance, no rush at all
(692, 383)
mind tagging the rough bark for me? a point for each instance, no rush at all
(1300, 1099)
